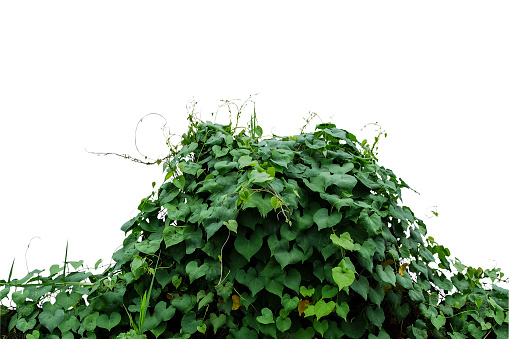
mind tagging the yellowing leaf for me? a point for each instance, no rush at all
(387, 262)
(303, 304)
(402, 269)
(236, 302)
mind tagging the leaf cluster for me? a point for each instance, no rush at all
(302, 236)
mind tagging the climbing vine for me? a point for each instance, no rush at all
(301, 236)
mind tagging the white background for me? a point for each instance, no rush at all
(78, 76)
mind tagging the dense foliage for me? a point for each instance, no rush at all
(287, 237)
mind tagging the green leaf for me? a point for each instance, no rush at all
(162, 313)
(321, 327)
(267, 317)
(202, 328)
(376, 316)
(173, 235)
(376, 295)
(275, 285)
(366, 253)
(275, 203)
(307, 333)
(381, 335)
(206, 300)
(211, 186)
(183, 303)
(419, 333)
(67, 301)
(336, 201)
(338, 169)
(323, 220)
(176, 280)
(386, 275)
(245, 333)
(258, 177)
(355, 328)
(461, 285)
(342, 276)
(372, 223)
(292, 279)
(194, 272)
(283, 324)
(248, 247)
(323, 309)
(23, 325)
(217, 321)
(343, 181)
(416, 295)
(262, 203)
(342, 310)
(329, 291)
(35, 335)
(361, 286)
(76, 264)
(343, 241)
(224, 166)
(456, 335)
(288, 232)
(288, 303)
(54, 269)
(108, 323)
(189, 323)
(284, 256)
(68, 324)
(224, 290)
(189, 167)
(4, 292)
(443, 283)
(231, 225)
(258, 131)
(307, 292)
(251, 279)
(245, 160)
(148, 246)
(405, 281)
(282, 157)
(438, 321)
(219, 151)
(90, 321)
(51, 320)
(179, 182)
(272, 172)
(244, 195)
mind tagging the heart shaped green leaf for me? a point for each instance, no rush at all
(217, 321)
(67, 301)
(267, 317)
(343, 277)
(194, 272)
(323, 309)
(248, 247)
(283, 324)
(51, 320)
(108, 323)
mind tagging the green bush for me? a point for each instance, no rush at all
(286, 237)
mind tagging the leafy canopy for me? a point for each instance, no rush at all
(286, 237)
